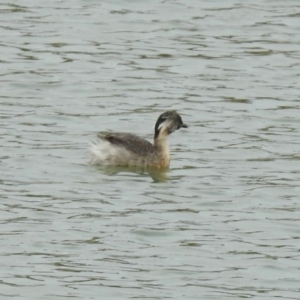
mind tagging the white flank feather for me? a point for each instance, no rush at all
(101, 152)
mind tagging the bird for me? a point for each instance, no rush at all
(129, 150)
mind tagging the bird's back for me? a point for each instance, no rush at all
(130, 142)
(123, 149)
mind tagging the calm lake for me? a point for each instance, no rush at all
(223, 223)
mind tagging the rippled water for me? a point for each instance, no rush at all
(223, 223)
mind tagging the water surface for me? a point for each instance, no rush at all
(224, 223)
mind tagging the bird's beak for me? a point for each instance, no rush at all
(184, 126)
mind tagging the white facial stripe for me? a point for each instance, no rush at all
(162, 125)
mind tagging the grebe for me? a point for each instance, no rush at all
(126, 149)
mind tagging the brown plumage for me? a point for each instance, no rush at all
(126, 149)
(129, 141)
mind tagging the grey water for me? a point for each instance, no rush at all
(223, 223)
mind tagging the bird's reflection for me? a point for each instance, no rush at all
(158, 175)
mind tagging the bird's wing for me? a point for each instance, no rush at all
(129, 141)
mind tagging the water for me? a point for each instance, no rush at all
(223, 223)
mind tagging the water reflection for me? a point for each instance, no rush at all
(158, 175)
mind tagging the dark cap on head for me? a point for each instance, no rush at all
(170, 119)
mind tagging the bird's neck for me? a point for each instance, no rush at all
(161, 145)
